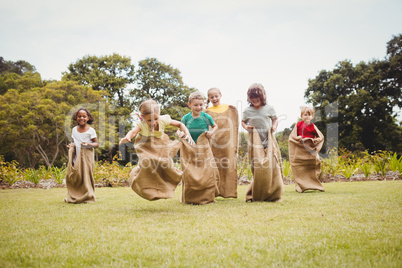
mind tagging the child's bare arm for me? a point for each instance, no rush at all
(246, 126)
(183, 128)
(274, 124)
(131, 134)
(93, 144)
(211, 132)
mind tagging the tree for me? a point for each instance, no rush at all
(282, 138)
(366, 96)
(111, 74)
(19, 75)
(32, 123)
(20, 82)
(392, 69)
(19, 67)
(164, 84)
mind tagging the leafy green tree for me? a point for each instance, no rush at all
(19, 75)
(282, 138)
(19, 67)
(366, 97)
(163, 83)
(392, 70)
(20, 82)
(111, 74)
(32, 122)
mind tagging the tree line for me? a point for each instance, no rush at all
(35, 114)
(361, 101)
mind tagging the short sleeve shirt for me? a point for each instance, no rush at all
(261, 120)
(78, 137)
(164, 121)
(306, 131)
(197, 126)
(219, 109)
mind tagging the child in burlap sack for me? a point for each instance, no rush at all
(224, 142)
(197, 121)
(200, 174)
(259, 114)
(79, 175)
(305, 141)
(260, 120)
(155, 176)
(152, 124)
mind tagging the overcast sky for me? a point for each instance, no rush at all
(224, 44)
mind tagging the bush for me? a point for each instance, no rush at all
(9, 171)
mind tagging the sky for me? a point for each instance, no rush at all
(214, 43)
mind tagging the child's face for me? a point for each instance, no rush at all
(196, 106)
(214, 97)
(82, 118)
(256, 102)
(307, 117)
(152, 120)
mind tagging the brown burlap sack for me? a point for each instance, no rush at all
(224, 148)
(305, 161)
(155, 177)
(266, 166)
(200, 173)
(80, 176)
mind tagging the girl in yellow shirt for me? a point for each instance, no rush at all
(224, 142)
(214, 97)
(153, 124)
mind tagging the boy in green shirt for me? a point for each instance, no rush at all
(197, 121)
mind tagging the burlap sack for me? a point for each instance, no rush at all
(155, 177)
(80, 176)
(266, 166)
(305, 161)
(224, 144)
(200, 173)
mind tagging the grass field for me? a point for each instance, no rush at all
(356, 224)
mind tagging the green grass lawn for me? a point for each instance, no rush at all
(356, 224)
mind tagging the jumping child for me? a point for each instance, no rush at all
(155, 177)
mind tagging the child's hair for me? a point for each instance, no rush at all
(195, 96)
(147, 107)
(209, 90)
(307, 109)
(91, 118)
(256, 90)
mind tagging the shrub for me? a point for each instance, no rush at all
(112, 174)
(394, 163)
(32, 175)
(287, 171)
(243, 167)
(366, 169)
(380, 160)
(59, 174)
(9, 171)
